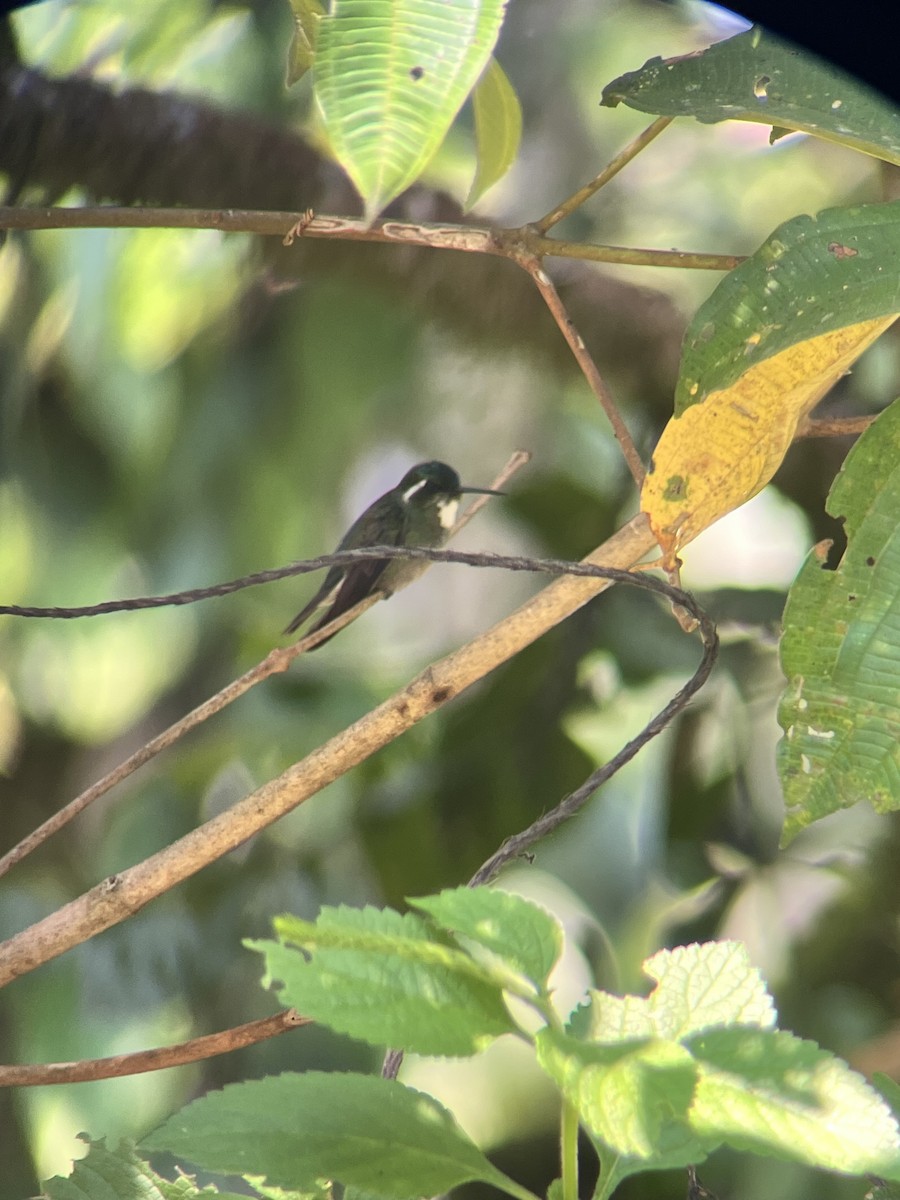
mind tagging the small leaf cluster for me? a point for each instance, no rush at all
(656, 1082)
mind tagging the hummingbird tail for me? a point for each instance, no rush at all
(301, 617)
(297, 621)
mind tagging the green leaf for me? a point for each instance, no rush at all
(890, 1089)
(391, 75)
(756, 77)
(121, 1175)
(302, 52)
(770, 1092)
(675, 1147)
(388, 979)
(365, 1132)
(625, 1094)
(519, 932)
(841, 647)
(667, 1099)
(811, 276)
(697, 987)
(498, 129)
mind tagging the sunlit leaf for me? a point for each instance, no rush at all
(390, 77)
(697, 987)
(841, 647)
(770, 1092)
(661, 1082)
(513, 928)
(757, 77)
(626, 1094)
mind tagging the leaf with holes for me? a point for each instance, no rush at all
(769, 342)
(841, 647)
(757, 77)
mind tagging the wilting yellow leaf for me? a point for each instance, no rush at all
(720, 452)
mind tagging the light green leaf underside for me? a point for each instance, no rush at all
(811, 276)
(697, 987)
(841, 648)
(390, 77)
(498, 129)
(775, 1094)
(757, 77)
(660, 1103)
(661, 1081)
(363, 1131)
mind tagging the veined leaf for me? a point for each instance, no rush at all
(498, 129)
(516, 930)
(627, 1094)
(661, 1082)
(841, 647)
(697, 988)
(390, 77)
(121, 1175)
(387, 978)
(757, 77)
(760, 353)
(366, 1132)
(770, 1092)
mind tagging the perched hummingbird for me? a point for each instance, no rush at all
(419, 511)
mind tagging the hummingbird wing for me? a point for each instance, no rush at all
(346, 586)
(326, 593)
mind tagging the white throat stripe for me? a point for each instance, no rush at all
(447, 513)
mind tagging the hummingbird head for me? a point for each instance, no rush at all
(436, 485)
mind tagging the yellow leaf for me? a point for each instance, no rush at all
(722, 451)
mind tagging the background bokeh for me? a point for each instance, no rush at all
(179, 408)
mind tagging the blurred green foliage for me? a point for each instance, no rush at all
(176, 412)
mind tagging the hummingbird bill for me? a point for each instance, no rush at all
(420, 511)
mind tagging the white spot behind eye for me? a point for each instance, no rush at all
(416, 487)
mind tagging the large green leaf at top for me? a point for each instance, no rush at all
(757, 77)
(390, 76)
(841, 647)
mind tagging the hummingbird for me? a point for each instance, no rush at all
(419, 511)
